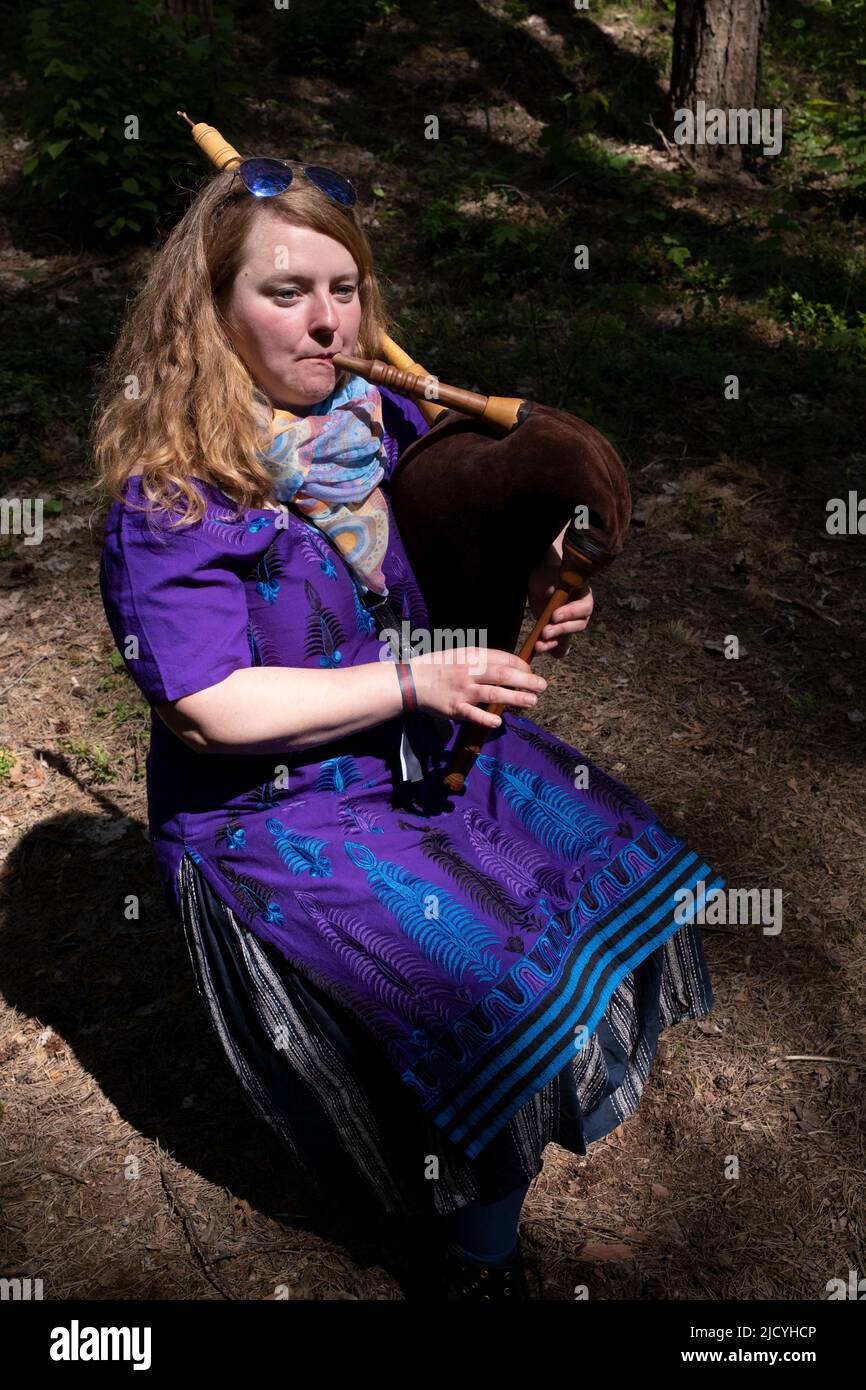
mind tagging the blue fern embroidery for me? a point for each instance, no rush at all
(229, 528)
(233, 833)
(313, 549)
(255, 650)
(324, 634)
(300, 853)
(264, 646)
(484, 889)
(525, 868)
(270, 569)
(365, 623)
(258, 523)
(607, 791)
(556, 818)
(413, 607)
(354, 816)
(386, 965)
(263, 797)
(559, 754)
(603, 788)
(337, 774)
(255, 896)
(454, 939)
(193, 853)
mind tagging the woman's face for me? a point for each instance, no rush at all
(295, 296)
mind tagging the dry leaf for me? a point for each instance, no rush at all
(597, 1250)
(246, 1210)
(810, 1119)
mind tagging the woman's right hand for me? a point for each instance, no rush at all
(455, 682)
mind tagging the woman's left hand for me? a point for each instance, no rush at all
(571, 617)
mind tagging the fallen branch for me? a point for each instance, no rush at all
(801, 603)
(807, 1057)
(189, 1228)
(675, 151)
(20, 678)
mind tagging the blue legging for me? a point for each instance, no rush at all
(487, 1232)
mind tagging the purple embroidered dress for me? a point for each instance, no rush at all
(477, 939)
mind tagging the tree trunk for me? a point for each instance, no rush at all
(717, 60)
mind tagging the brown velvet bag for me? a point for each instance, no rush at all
(477, 511)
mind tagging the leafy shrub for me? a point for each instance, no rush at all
(104, 83)
(820, 323)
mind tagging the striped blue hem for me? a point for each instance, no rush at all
(488, 1065)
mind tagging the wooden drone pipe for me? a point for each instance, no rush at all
(212, 144)
(430, 409)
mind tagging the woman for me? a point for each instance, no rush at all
(417, 994)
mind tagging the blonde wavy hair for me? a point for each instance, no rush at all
(174, 399)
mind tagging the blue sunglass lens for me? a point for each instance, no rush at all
(265, 177)
(334, 185)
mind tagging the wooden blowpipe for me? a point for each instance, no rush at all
(581, 559)
(504, 413)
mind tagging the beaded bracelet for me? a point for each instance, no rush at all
(407, 687)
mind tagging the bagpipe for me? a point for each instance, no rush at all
(480, 498)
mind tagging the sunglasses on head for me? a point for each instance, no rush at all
(266, 177)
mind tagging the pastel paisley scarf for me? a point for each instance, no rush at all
(330, 462)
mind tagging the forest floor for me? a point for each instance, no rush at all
(129, 1164)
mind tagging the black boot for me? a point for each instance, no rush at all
(470, 1280)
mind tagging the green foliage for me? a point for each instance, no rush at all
(823, 87)
(122, 712)
(806, 704)
(7, 762)
(820, 323)
(676, 250)
(516, 10)
(514, 255)
(104, 83)
(570, 146)
(705, 286)
(97, 758)
(491, 251)
(440, 226)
